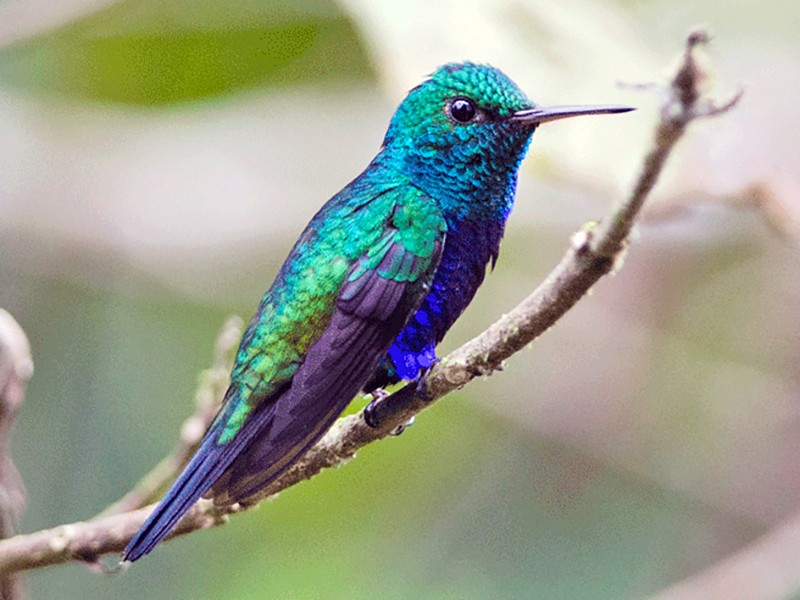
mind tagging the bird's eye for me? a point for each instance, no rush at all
(462, 110)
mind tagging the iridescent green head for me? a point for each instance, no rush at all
(462, 133)
(458, 97)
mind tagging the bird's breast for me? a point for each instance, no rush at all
(469, 247)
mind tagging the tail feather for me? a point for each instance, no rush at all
(195, 480)
(208, 464)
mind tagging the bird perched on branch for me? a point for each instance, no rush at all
(371, 286)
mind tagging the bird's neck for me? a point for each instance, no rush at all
(470, 184)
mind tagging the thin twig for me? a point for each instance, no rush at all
(594, 252)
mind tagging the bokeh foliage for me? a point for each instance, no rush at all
(148, 53)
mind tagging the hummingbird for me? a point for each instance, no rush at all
(371, 286)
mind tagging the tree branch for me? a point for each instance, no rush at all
(594, 252)
(16, 368)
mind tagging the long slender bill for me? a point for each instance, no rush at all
(542, 114)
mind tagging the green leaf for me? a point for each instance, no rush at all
(142, 53)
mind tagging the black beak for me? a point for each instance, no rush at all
(543, 114)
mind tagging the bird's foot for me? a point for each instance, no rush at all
(370, 418)
(371, 412)
(374, 416)
(422, 384)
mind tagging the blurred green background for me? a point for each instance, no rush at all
(157, 160)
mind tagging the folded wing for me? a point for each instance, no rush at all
(381, 290)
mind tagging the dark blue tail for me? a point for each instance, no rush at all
(196, 479)
(208, 464)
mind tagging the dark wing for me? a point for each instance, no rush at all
(372, 307)
(380, 292)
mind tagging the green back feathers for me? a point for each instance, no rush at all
(298, 307)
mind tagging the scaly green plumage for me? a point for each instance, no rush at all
(297, 308)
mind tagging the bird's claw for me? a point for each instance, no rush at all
(420, 388)
(370, 418)
(401, 428)
(422, 385)
(378, 394)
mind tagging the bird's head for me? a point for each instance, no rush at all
(468, 126)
